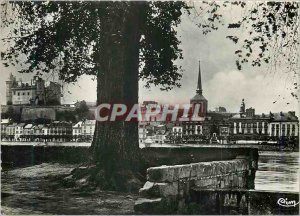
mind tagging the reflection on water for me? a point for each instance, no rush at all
(278, 171)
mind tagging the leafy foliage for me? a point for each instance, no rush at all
(82, 111)
(209, 15)
(65, 37)
(266, 33)
(273, 35)
(12, 115)
(160, 45)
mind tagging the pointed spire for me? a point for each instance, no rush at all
(11, 77)
(199, 84)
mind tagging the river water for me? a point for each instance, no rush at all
(278, 171)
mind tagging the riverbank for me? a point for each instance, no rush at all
(260, 147)
(38, 190)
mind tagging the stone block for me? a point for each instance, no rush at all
(207, 183)
(150, 206)
(146, 190)
(151, 189)
(168, 173)
(202, 170)
(197, 171)
(156, 206)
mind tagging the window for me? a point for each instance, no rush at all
(28, 93)
(23, 93)
(293, 130)
(18, 93)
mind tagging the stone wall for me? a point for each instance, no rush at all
(31, 113)
(29, 155)
(157, 156)
(34, 112)
(168, 188)
(24, 154)
(243, 201)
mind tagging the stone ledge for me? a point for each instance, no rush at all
(144, 205)
(155, 206)
(152, 189)
(196, 170)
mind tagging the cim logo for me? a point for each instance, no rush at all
(286, 203)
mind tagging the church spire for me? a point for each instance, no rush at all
(199, 85)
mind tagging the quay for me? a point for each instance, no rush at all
(260, 147)
(177, 175)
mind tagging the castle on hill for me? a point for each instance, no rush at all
(34, 92)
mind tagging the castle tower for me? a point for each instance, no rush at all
(199, 98)
(40, 89)
(9, 85)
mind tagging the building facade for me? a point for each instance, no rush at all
(283, 125)
(19, 131)
(88, 129)
(177, 130)
(4, 124)
(11, 131)
(33, 92)
(76, 131)
(142, 132)
(60, 131)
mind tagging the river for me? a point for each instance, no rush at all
(278, 171)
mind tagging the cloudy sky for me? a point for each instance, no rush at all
(223, 84)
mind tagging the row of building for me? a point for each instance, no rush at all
(55, 131)
(221, 126)
(217, 126)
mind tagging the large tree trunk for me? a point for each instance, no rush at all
(115, 148)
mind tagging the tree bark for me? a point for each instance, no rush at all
(115, 147)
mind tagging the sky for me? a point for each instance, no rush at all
(223, 85)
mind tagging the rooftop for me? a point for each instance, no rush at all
(28, 126)
(199, 97)
(4, 121)
(78, 124)
(89, 122)
(285, 116)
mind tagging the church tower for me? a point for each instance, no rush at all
(199, 98)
